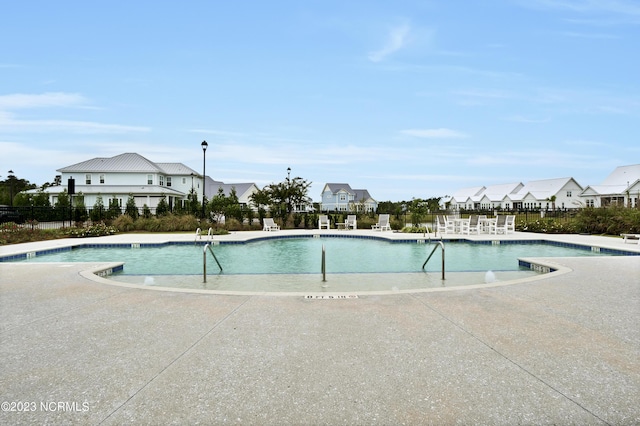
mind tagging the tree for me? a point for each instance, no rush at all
(11, 187)
(194, 207)
(163, 206)
(223, 206)
(217, 205)
(260, 199)
(41, 199)
(131, 210)
(115, 209)
(79, 210)
(97, 212)
(282, 197)
(419, 209)
(62, 206)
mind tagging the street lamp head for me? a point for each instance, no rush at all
(204, 145)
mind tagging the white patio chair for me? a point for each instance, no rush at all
(500, 225)
(383, 223)
(351, 222)
(270, 225)
(510, 225)
(464, 225)
(473, 226)
(323, 222)
(443, 225)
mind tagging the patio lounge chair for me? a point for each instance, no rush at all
(351, 222)
(473, 226)
(444, 226)
(270, 225)
(510, 226)
(383, 223)
(500, 225)
(323, 222)
(631, 238)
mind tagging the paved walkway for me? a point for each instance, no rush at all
(564, 349)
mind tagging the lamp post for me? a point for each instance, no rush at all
(11, 177)
(204, 145)
(288, 189)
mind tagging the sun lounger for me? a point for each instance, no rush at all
(383, 223)
(632, 238)
(270, 225)
(323, 222)
(351, 222)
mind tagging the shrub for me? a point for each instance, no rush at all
(124, 223)
(414, 229)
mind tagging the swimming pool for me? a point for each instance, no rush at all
(289, 264)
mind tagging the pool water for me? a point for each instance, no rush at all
(303, 256)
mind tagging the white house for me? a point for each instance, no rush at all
(533, 195)
(130, 173)
(538, 194)
(340, 197)
(466, 198)
(621, 187)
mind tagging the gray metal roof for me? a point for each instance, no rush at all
(337, 187)
(213, 185)
(177, 169)
(128, 162)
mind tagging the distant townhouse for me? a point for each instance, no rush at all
(539, 194)
(466, 198)
(621, 187)
(341, 197)
(560, 193)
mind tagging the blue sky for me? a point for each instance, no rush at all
(403, 98)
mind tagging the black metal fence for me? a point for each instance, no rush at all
(55, 217)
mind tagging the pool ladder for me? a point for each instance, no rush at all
(441, 245)
(204, 260)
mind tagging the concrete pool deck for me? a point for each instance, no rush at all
(564, 349)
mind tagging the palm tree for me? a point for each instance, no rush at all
(553, 201)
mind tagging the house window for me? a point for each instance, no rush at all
(101, 178)
(343, 197)
(87, 179)
(568, 193)
(590, 203)
(184, 180)
(168, 180)
(149, 179)
(161, 180)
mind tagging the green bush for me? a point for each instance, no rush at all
(599, 221)
(124, 223)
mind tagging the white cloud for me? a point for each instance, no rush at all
(51, 99)
(397, 38)
(441, 133)
(10, 124)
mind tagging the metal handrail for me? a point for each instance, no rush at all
(204, 260)
(324, 265)
(441, 245)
